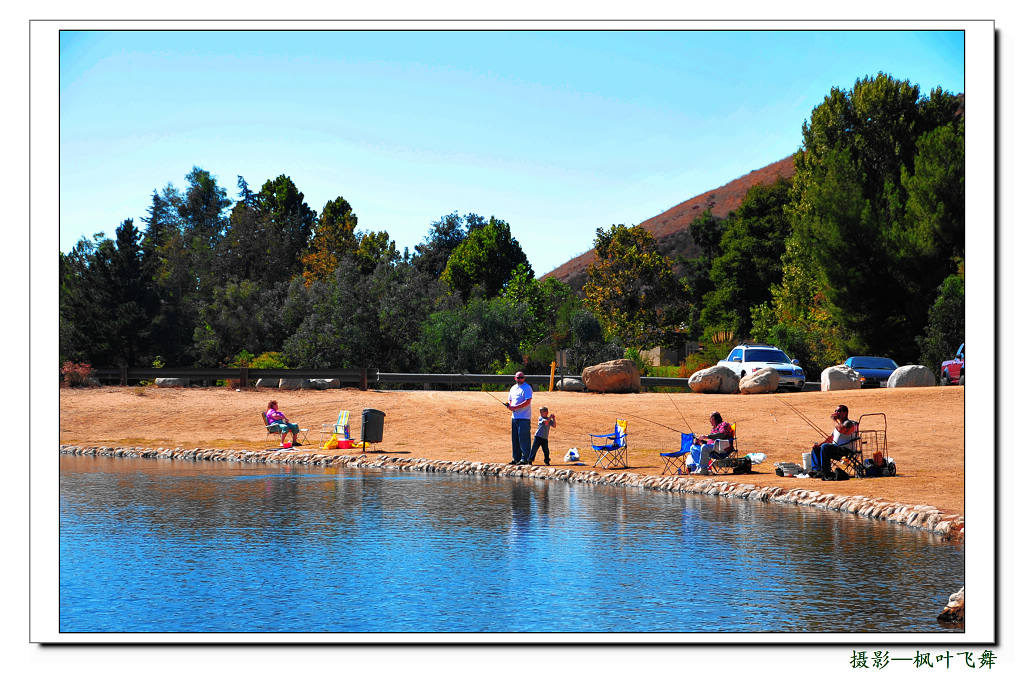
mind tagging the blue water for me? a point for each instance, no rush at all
(163, 546)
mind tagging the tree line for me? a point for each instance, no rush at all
(860, 252)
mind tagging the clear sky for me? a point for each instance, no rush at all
(558, 133)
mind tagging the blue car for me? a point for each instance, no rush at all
(874, 371)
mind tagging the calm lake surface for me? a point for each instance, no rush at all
(166, 546)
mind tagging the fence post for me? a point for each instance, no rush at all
(362, 382)
(243, 378)
(124, 375)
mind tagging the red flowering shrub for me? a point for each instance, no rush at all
(75, 374)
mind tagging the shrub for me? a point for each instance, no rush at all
(75, 374)
(269, 360)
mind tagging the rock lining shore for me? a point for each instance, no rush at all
(925, 517)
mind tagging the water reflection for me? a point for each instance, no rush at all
(171, 546)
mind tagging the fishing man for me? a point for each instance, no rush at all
(837, 445)
(519, 398)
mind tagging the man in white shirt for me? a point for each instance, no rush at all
(519, 397)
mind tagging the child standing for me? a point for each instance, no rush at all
(540, 439)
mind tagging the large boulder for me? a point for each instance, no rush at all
(570, 384)
(954, 611)
(717, 379)
(263, 382)
(911, 376)
(612, 377)
(764, 381)
(171, 382)
(289, 383)
(839, 378)
(321, 383)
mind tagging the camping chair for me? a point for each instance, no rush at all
(340, 428)
(675, 463)
(275, 434)
(614, 449)
(726, 455)
(869, 451)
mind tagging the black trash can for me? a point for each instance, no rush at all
(372, 430)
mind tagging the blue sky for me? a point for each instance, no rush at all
(558, 133)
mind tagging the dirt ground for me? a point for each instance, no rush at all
(925, 427)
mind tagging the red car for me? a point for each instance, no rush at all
(952, 371)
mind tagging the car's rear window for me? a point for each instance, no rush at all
(766, 356)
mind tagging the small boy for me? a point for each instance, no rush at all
(540, 439)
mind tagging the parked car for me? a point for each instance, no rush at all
(748, 358)
(952, 371)
(874, 371)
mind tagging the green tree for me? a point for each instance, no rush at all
(357, 320)
(481, 336)
(547, 306)
(445, 235)
(334, 237)
(239, 315)
(946, 328)
(108, 299)
(631, 287)
(855, 172)
(375, 248)
(752, 246)
(706, 232)
(487, 257)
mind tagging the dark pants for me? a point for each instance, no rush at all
(520, 441)
(823, 455)
(540, 442)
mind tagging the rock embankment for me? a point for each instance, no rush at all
(925, 517)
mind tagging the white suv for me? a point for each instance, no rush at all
(748, 358)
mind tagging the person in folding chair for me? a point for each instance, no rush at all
(842, 441)
(277, 422)
(705, 445)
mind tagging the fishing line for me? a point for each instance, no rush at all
(680, 414)
(806, 419)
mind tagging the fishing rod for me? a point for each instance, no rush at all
(806, 419)
(496, 399)
(649, 420)
(680, 414)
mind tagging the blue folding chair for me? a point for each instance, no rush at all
(613, 449)
(675, 463)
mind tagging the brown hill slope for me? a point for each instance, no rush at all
(671, 228)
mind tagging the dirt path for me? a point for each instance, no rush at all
(926, 427)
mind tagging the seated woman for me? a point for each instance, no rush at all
(277, 422)
(704, 447)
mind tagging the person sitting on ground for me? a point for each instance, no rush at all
(704, 446)
(836, 446)
(277, 422)
(540, 437)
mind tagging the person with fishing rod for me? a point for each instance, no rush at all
(704, 446)
(836, 445)
(519, 398)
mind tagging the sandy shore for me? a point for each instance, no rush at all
(925, 435)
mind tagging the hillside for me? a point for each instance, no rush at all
(671, 228)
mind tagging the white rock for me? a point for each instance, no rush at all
(839, 378)
(764, 381)
(171, 382)
(717, 379)
(911, 376)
